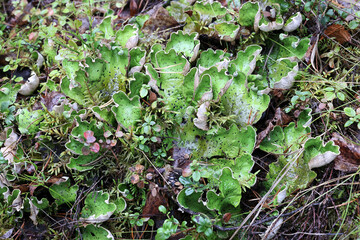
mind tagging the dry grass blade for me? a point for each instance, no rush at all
(257, 209)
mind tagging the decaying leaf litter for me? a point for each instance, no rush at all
(179, 120)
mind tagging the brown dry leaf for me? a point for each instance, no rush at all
(153, 200)
(181, 157)
(313, 47)
(52, 101)
(23, 187)
(152, 97)
(33, 36)
(338, 32)
(160, 21)
(139, 168)
(226, 217)
(133, 8)
(32, 189)
(140, 184)
(21, 17)
(56, 179)
(134, 179)
(279, 119)
(349, 158)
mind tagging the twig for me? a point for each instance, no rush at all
(167, 183)
(265, 220)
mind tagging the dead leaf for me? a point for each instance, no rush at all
(226, 217)
(160, 21)
(133, 8)
(33, 36)
(152, 97)
(140, 184)
(32, 189)
(23, 187)
(202, 116)
(280, 119)
(56, 179)
(50, 12)
(22, 17)
(139, 168)
(30, 168)
(134, 179)
(181, 157)
(186, 172)
(9, 150)
(313, 43)
(149, 176)
(52, 101)
(85, 150)
(349, 158)
(338, 32)
(153, 201)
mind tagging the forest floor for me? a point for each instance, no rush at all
(187, 119)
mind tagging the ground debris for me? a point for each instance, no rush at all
(349, 158)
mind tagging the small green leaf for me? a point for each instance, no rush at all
(353, 24)
(128, 36)
(207, 10)
(227, 31)
(28, 121)
(341, 96)
(349, 112)
(189, 191)
(143, 92)
(348, 123)
(162, 209)
(196, 176)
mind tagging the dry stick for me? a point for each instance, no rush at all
(266, 219)
(18, 231)
(262, 201)
(167, 183)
